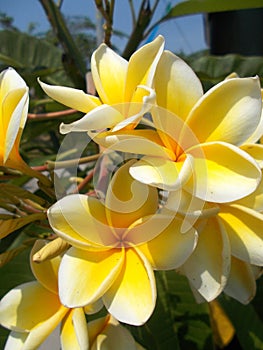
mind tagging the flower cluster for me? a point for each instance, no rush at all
(186, 196)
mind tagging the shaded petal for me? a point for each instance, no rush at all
(110, 335)
(254, 200)
(132, 297)
(81, 221)
(259, 130)
(74, 331)
(94, 120)
(93, 308)
(109, 74)
(16, 340)
(96, 273)
(173, 131)
(142, 66)
(244, 227)
(45, 272)
(163, 173)
(241, 283)
(145, 98)
(171, 248)
(127, 199)
(73, 98)
(229, 112)
(224, 174)
(208, 267)
(146, 142)
(255, 151)
(40, 333)
(28, 305)
(181, 89)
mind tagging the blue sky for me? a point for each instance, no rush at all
(185, 34)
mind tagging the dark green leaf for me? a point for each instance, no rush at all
(204, 6)
(248, 326)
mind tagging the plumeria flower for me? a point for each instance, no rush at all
(197, 137)
(230, 244)
(119, 84)
(116, 245)
(33, 310)
(108, 333)
(14, 99)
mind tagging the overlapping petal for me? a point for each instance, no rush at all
(108, 333)
(230, 111)
(163, 173)
(142, 66)
(244, 227)
(127, 199)
(109, 74)
(255, 151)
(131, 298)
(96, 273)
(208, 267)
(241, 284)
(171, 248)
(225, 174)
(74, 331)
(21, 309)
(81, 221)
(14, 106)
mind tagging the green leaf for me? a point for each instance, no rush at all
(191, 320)
(213, 69)
(12, 274)
(248, 326)
(32, 57)
(10, 225)
(191, 7)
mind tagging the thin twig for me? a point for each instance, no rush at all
(84, 182)
(50, 165)
(43, 116)
(133, 14)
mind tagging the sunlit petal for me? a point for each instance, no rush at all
(73, 98)
(181, 89)
(14, 113)
(131, 299)
(241, 283)
(230, 111)
(74, 331)
(225, 174)
(81, 221)
(208, 267)
(163, 173)
(95, 120)
(171, 248)
(96, 273)
(109, 73)
(244, 227)
(21, 309)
